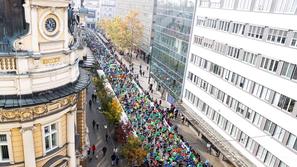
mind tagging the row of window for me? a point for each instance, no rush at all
(280, 6)
(50, 142)
(279, 67)
(270, 96)
(277, 36)
(247, 142)
(244, 111)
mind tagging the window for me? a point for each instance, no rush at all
(269, 64)
(292, 142)
(200, 21)
(281, 164)
(204, 3)
(243, 139)
(4, 155)
(257, 120)
(50, 137)
(285, 6)
(244, 4)
(277, 36)
(234, 131)
(233, 52)
(198, 40)
(228, 127)
(223, 25)
(286, 103)
(294, 39)
(279, 133)
(228, 4)
(269, 160)
(269, 126)
(261, 153)
(289, 70)
(255, 32)
(249, 57)
(250, 145)
(238, 28)
(263, 5)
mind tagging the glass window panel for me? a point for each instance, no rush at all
(47, 142)
(4, 152)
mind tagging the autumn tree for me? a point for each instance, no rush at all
(133, 151)
(125, 33)
(110, 106)
(122, 132)
(114, 112)
(134, 30)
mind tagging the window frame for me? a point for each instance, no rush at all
(50, 134)
(5, 143)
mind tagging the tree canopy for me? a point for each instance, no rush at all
(125, 33)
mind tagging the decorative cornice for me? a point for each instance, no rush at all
(31, 113)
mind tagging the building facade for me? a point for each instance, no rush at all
(93, 9)
(171, 34)
(42, 92)
(107, 9)
(145, 10)
(241, 77)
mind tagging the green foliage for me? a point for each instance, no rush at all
(109, 104)
(133, 151)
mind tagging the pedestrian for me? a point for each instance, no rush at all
(94, 123)
(106, 137)
(117, 160)
(140, 66)
(147, 68)
(208, 145)
(143, 73)
(183, 119)
(89, 153)
(90, 103)
(113, 159)
(97, 125)
(93, 148)
(175, 113)
(104, 149)
(140, 72)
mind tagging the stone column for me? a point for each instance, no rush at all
(71, 138)
(28, 143)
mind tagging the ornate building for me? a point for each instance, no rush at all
(42, 92)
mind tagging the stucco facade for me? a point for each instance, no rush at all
(42, 91)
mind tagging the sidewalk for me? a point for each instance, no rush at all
(190, 135)
(97, 136)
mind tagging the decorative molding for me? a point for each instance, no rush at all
(30, 113)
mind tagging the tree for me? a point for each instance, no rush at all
(109, 104)
(123, 131)
(124, 33)
(114, 112)
(135, 30)
(133, 151)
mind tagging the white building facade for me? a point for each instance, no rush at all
(241, 76)
(107, 9)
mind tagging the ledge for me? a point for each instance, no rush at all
(14, 101)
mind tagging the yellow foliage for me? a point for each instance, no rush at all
(133, 151)
(124, 33)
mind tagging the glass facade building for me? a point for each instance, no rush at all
(171, 32)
